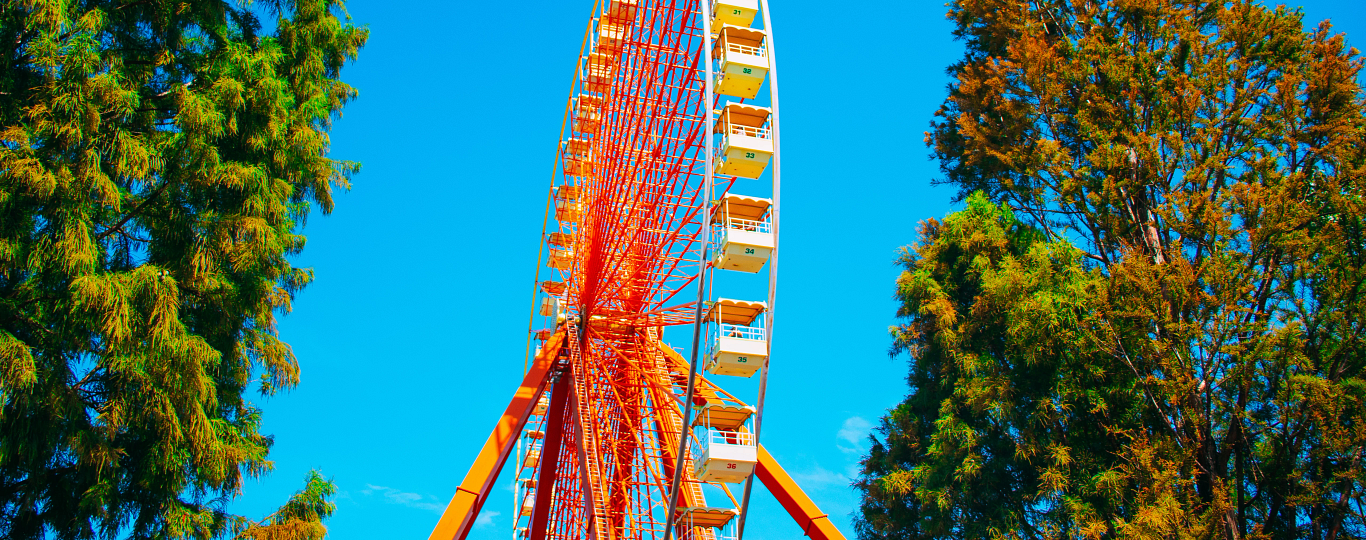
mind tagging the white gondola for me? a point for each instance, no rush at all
(542, 405)
(587, 113)
(746, 145)
(553, 288)
(561, 251)
(739, 346)
(624, 11)
(561, 259)
(726, 456)
(742, 61)
(578, 157)
(533, 457)
(568, 208)
(550, 306)
(744, 233)
(736, 12)
(715, 523)
(560, 239)
(598, 70)
(611, 35)
(568, 211)
(528, 502)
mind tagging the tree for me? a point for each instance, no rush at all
(1001, 331)
(157, 163)
(1169, 340)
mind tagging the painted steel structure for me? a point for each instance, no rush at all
(667, 177)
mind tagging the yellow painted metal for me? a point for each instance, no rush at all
(611, 36)
(734, 206)
(743, 250)
(578, 157)
(736, 357)
(746, 145)
(707, 516)
(743, 61)
(561, 259)
(736, 12)
(740, 114)
(730, 311)
(734, 363)
(568, 211)
(746, 241)
(723, 416)
(562, 240)
(598, 71)
(623, 11)
(587, 114)
(744, 157)
(567, 205)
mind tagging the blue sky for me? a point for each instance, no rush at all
(411, 340)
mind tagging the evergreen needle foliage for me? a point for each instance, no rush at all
(157, 162)
(1148, 321)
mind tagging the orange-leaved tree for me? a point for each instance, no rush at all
(1149, 321)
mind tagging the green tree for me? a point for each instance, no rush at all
(1008, 383)
(1160, 331)
(158, 160)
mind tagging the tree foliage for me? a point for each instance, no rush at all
(299, 519)
(157, 162)
(1159, 333)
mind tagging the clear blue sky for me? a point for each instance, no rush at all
(411, 339)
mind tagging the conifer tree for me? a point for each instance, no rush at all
(157, 162)
(1149, 321)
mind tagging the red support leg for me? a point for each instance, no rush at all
(550, 454)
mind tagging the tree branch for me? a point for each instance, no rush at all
(119, 226)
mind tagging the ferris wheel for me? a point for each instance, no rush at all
(661, 225)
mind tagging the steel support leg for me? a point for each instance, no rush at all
(814, 523)
(550, 454)
(459, 516)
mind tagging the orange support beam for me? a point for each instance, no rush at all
(469, 497)
(814, 523)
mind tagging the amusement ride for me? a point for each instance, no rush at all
(664, 199)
